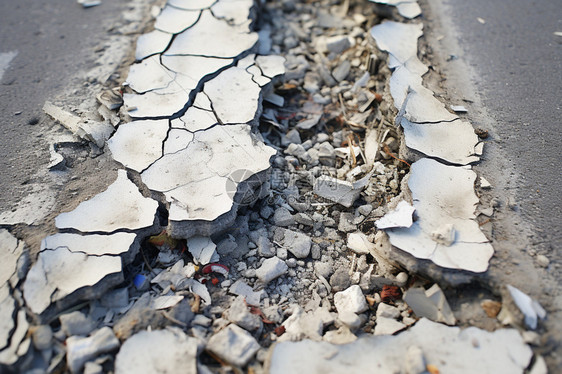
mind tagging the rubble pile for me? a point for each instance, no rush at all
(268, 217)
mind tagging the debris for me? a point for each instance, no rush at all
(499, 351)
(543, 261)
(444, 234)
(351, 300)
(233, 345)
(241, 288)
(112, 99)
(459, 109)
(119, 207)
(491, 307)
(390, 293)
(76, 323)
(81, 350)
(89, 3)
(297, 243)
(430, 303)
(270, 269)
(481, 20)
(444, 195)
(359, 243)
(239, 314)
(202, 249)
(388, 326)
(530, 308)
(399, 217)
(338, 191)
(160, 351)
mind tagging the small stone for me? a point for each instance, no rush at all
(365, 210)
(297, 243)
(304, 219)
(201, 320)
(338, 44)
(116, 299)
(350, 319)
(543, 261)
(80, 350)
(324, 269)
(293, 136)
(270, 269)
(491, 307)
(401, 279)
(266, 211)
(233, 345)
(336, 190)
(340, 280)
(387, 326)
(283, 217)
(346, 223)
(352, 300)
(358, 242)
(239, 314)
(342, 71)
(42, 337)
(316, 252)
(387, 311)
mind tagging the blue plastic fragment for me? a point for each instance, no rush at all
(139, 280)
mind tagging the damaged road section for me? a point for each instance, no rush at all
(445, 230)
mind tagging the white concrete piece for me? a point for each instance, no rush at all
(402, 216)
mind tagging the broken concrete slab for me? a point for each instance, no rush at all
(195, 119)
(239, 314)
(454, 142)
(235, 12)
(19, 342)
(468, 350)
(12, 267)
(120, 207)
(444, 195)
(398, 39)
(212, 37)
(160, 351)
(138, 144)
(62, 277)
(233, 345)
(430, 303)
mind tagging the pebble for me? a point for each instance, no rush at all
(543, 261)
(315, 252)
(340, 280)
(387, 311)
(346, 222)
(270, 269)
(324, 269)
(350, 319)
(351, 300)
(387, 326)
(297, 243)
(365, 210)
(233, 345)
(76, 323)
(239, 314)
(338, 44)
(202, 320)
(401, 279)
(283, 217)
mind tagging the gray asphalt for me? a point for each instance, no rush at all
(55, 40)
(517, 61)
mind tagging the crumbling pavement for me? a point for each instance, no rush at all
(271, 201)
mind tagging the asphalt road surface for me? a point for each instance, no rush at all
(52, 41)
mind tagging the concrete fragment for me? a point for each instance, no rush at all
(444, 234)
(160, 351)
(270, 269)
(359, 243)
(80, 350)
(468, 350)
(233, 345)
(212, 37)
(59, 274)
(11, 250)
(388, 311)
(18, 344)
(399, 217)
(297, 243)
(76, 323)
(121, 206)
(444, 195)
(398, 39)
(302, 325)
(7, 312)
(239, 314)
(282, 217)
(430, 303)
(152, 43)
(96, 245)
(530, 308)
(351, 300)
(338, 191)
(173, 20)
(241, 288)
(203, 250)
(387, 326)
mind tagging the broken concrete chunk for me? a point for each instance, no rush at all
(409, 10)
(336, 190)
(444, 195)
(155, 104)
(271, 66)
(530, 308)
(469, 350)
(301, 325)
(235, 96)
(149, 75)
(398, 39)
(351, 300)
(359, 243)
(234, 12)
(399, 217)
(422, 107)
(270, 269)
(444, 234)
(76, 323)
(387, 326)
(242, 289)
(430, 303)
(173, 20)
(233, 345)
(121, 206)
(158, 352)
(18, 344)
(212, 37)
(206, 189)
(203, 250)
(239, 314)
(60, 273)
(297, 243)
(81, 350)
(152, 43)
(454, 142)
